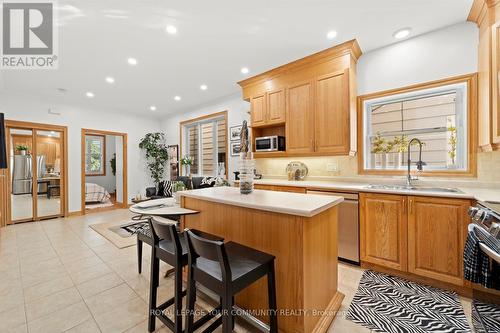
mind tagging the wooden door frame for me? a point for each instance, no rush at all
(64, 190)
(87, 131)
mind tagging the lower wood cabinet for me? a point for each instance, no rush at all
(424, 236)
(437, 229)
(295, 189)
(383, 233)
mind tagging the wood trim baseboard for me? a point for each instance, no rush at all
(76, 213)
(329, 314)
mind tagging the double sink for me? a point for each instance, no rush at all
(413, 188)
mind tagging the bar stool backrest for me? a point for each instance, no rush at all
(209, 247)
(164, 231)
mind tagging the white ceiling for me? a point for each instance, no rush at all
(214, 40)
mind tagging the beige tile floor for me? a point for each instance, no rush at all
(61, 276)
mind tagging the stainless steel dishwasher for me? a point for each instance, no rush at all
(348, 225)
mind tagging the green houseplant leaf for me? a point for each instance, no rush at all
(156, 154)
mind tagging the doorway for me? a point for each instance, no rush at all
(36, 174)
(104, 170)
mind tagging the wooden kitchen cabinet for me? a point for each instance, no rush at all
(311, 101)
(331, 116)
(268, 108)
(437, 229)
(258, 110)
(294, 189)
(276, 109)
(383, 230)
(486, 14)
(300, 119)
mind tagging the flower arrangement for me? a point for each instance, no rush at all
(187, 160)
(21, 147)
(452, 141)
(378, 144)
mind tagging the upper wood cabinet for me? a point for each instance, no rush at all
(300, 119)
(331, 116)
(486, 13)
(276, 106)
(312, 101)
(383, 233)
(437, 229)
(268, 108)
(259, 110)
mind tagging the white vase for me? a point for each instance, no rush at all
(373, 163)
(398, 160)
(23, 152)
(384, 160)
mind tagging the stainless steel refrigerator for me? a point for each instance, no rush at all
(22, 173)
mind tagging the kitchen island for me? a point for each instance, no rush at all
(300, 230)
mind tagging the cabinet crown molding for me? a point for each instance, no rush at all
(479, 10)
(350, 47)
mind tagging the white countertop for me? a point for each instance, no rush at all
(468, 191)
(298, 204)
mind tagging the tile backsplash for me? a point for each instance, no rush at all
(347, 166)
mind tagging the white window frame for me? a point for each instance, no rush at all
(468, 123)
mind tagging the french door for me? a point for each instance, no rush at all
(36, 171)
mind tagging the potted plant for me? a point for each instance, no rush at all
(22, 149)
(187, 161)
(401, 145)
(377, 152)
(176, 187)
(387, 150)
(112, 163)
(452, 145)
(156, 155)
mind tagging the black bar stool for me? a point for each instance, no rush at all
(170, 247)
(226, 269)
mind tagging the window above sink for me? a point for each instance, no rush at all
(441, 114)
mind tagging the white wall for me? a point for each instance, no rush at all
(237, 112)
(26, 108)
(444, 53)
(108, 181)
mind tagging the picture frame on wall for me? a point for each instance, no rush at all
(235, 148)
(234, 133)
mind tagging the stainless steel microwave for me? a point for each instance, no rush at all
(270, 143)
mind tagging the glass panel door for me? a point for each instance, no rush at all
(21, 174)
(49, 173)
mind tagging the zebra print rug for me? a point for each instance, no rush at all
(385, 303)
(485, 317)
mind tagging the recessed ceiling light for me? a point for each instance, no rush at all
(109, 79)
(245, 70)
(152, 108)
(203, 87)
(90, 94)
(171, 29)
(177, 98)
(331, 34)
(402, 33)
(132, 61)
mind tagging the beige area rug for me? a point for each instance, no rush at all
(121, 234)
(105, 204)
